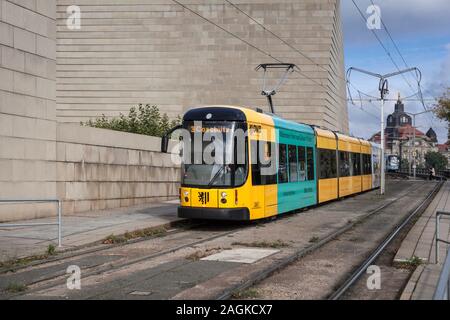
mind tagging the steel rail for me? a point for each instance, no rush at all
(280, 264)
(376, 253)
(105, 268)
(97, 246)
(110, 267)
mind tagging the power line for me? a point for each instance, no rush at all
(419, 91)
(282, 40)
(251, 45)
(369, 113)
(382, 45)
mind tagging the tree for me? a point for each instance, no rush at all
(436, 160)
(145, 120)
(442, 109)
(404, 164)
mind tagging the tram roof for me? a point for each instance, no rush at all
(234, 113)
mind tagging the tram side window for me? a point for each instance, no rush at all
(267, 179)
(301, 163)
(256, 164)
(344, 164)
(282, 164)
(258, 178)
(356, 163)
(367, 168)
(293, 174)
(310, 163)
(327, 163)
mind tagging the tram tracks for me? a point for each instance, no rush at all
(189, 240)
(54, 279)
(207, 233)
(343, 288)
(254, 280)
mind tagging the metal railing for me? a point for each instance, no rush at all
(438, 240)
(443, 288)
(59, 213)
(424, 173)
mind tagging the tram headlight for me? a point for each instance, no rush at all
(224, 197)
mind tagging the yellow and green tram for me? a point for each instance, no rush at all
(312, 166)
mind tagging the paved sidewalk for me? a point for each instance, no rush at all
(83, 228)
(420, 243)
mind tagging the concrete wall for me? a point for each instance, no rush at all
(101, 169)
(94, 169)
(27, 104)
(146, 51)
(130, 52)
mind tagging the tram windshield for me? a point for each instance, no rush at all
(215, 154)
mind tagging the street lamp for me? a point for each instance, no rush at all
(414, 137)
(384, 91)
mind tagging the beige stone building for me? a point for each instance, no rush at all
(404, 140)
(148, 51)
(157, 52)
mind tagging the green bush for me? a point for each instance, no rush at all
(145, 120)
(436, 160)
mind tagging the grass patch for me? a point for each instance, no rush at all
(9, 265)
(127, 236)
(410, 264)
(16, 287)
(51, 250)
(263, 244)
(314, 239)
(246, 294)
(113, 239)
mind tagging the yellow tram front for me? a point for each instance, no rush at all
(215, 165)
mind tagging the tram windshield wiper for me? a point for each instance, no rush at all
(217, 175)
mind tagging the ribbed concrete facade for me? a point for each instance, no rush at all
(154, 51)
(27, 104)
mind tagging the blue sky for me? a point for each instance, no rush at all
(421, 30)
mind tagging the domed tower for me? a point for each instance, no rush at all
(399, 118)
(432, 135)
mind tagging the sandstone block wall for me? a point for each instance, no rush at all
(154, 51)
(27, 104)
(102, 169)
